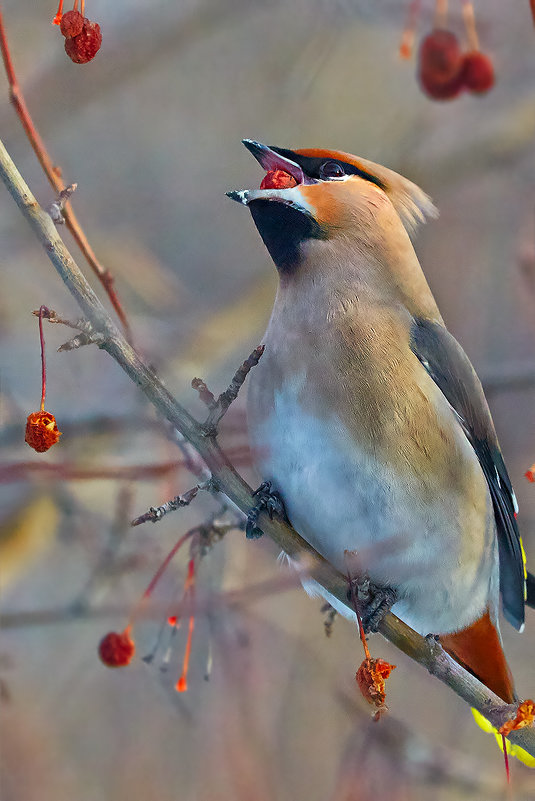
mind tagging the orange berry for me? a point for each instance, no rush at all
(116, 649)
(41, 431)
(478, 72)
(278, 179)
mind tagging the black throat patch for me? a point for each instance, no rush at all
(283, 230)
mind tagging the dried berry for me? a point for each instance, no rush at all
(116, 649)
(371, 677)
(478, 72)
(84, 47)
(525, 716)
(41, 431)
(278, 179)
(71, 23)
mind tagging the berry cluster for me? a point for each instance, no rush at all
(445, 69)
(82, 37)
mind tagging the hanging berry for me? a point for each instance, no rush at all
(116, 649)
(82, 37)
(444, 70)
(440, 65)
(478, 69)
(41, 427)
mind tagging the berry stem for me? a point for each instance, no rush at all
(406, 44)
(441, 13)
(42, 310)
(506, 760)
(189, 589)
(59, 14)
(359, 620)
(469, 19)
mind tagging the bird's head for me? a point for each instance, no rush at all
(313, 196)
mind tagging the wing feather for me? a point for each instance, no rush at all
(451, 370)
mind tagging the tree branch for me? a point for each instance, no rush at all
(53, 173)
(426, 651)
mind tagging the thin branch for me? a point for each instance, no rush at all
(426, 651)
(53, 173)
(218, 408)
(155, 513)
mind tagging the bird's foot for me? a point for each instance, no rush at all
(269, 501)
(373, 602)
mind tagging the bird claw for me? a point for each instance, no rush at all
(373, 602)
(268, 501)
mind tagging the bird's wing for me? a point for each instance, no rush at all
(451, 370)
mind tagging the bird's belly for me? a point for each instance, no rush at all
(341, 497)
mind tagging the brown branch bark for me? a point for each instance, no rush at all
(53, 173)
(426, 651)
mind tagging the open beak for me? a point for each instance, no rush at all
(269, 160)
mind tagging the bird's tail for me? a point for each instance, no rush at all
(478, 648)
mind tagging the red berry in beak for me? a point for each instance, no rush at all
(278, 179)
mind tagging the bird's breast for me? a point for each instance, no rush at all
(369, 486)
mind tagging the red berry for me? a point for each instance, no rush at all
(440, 62)
(116, 649)
(83, 47)
(446, 92)
(278, 179)
(71, 23)
(478, 72)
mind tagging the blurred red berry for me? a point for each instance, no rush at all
(478, 72)
(278, 179)
(41, 431)
(71, 23)
(440, 63)
(116, 649)
(443, 92)
(83, 47)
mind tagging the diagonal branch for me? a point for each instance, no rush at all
(53, 173)
(424, 650)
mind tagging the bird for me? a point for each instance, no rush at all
(365, 414)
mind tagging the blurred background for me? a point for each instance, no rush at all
(150, 130)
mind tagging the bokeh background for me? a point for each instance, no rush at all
(151, 132)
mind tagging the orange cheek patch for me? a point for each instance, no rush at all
(278, 179)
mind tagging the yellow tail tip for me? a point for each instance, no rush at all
(513, 750)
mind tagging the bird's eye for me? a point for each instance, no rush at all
(331, 169)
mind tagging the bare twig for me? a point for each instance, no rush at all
(156, 513)
(427, 652)
(218, 408)
(53, 173)
(87, 335)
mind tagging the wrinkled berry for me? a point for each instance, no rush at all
(71, 23)
(83, 47)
